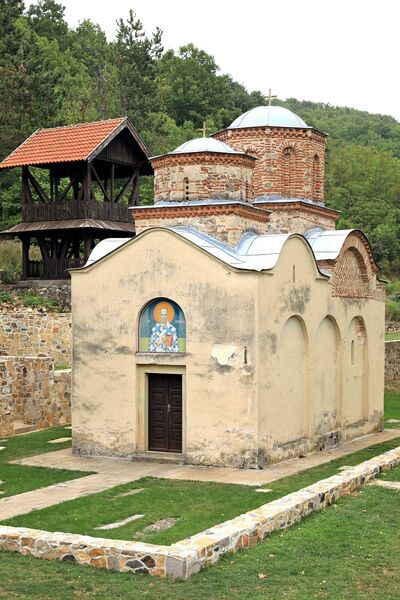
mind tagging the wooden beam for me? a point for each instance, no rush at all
(68, 187)
(26, 242)
(133, 197)
(38, 188)
(112, 182)
(87, 183)
(126, 186)
(106, 196)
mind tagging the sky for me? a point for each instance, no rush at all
(342, 52)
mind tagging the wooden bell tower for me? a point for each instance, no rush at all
(78, 183)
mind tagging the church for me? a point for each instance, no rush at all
(237, 327)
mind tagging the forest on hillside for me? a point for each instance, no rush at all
(52, 74)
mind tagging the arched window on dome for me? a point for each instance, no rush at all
(288, 171)
(162, 327)
(316, 178)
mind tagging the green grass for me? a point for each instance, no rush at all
(349, 550)
(20, 478)
(392, 336)
(392, 408)
(197, 505)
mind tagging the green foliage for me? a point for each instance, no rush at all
(10, 260)
(52, 74)
(5, 297)
(392, 312)
(36, 300)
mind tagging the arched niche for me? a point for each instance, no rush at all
(293, 358)
(326, 377)
(288, 170)
(351, 278)
(355, 401)
(162, 327)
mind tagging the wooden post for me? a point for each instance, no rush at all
(26, 242)
(86, 248)
(112, 182)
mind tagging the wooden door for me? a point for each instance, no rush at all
(165, 412)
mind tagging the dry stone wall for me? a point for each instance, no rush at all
(33, 393)
(29, 332)
(392, 361)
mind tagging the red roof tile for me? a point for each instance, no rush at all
(61, 144)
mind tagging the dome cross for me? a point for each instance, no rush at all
(269, 98)
(204, 129)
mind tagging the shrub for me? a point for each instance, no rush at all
(392, 310)
(10, 260)
(35, 301)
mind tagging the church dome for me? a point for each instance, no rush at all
(204, 144)
(268, 116)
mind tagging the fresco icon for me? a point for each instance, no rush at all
(162, 327)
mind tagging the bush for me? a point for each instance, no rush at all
(35, 301)
(5, 297)
(10, 260)
(392, 310)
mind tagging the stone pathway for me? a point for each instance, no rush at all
(111, 472)
(390, 485)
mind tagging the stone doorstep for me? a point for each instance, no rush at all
(188, 556)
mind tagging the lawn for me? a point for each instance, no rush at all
(350, 550)
(195, 505)
(19, 478)
(392, 336)
(392, 405)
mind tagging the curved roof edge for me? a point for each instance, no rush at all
(253, 252)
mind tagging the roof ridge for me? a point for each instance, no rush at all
(120, 119)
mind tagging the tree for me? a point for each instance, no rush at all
(135, 56)
(46, 19)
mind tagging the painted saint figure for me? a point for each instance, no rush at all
(163, 334)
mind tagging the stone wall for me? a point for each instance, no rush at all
(201, 176)
(33, 393)
(226, 222)
(29, 332)
(51, 290)
(297, 217)
(189, 556)
(392, 360)
(290, 161)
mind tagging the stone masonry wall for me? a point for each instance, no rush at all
(392, 361)
(28, 332)
(201, 176)
(189, 556)
(297, 219)
(226, 223)
(287, 162)
(32, 392)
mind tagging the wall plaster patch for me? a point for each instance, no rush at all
(223, 353)
(188, 556)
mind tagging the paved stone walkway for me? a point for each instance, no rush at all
(390, 485)
(111, 472)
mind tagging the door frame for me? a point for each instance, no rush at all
(142, 416)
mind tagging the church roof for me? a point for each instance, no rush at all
(268, 116)
(69, 143)
(253, 253)
(204, 144)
